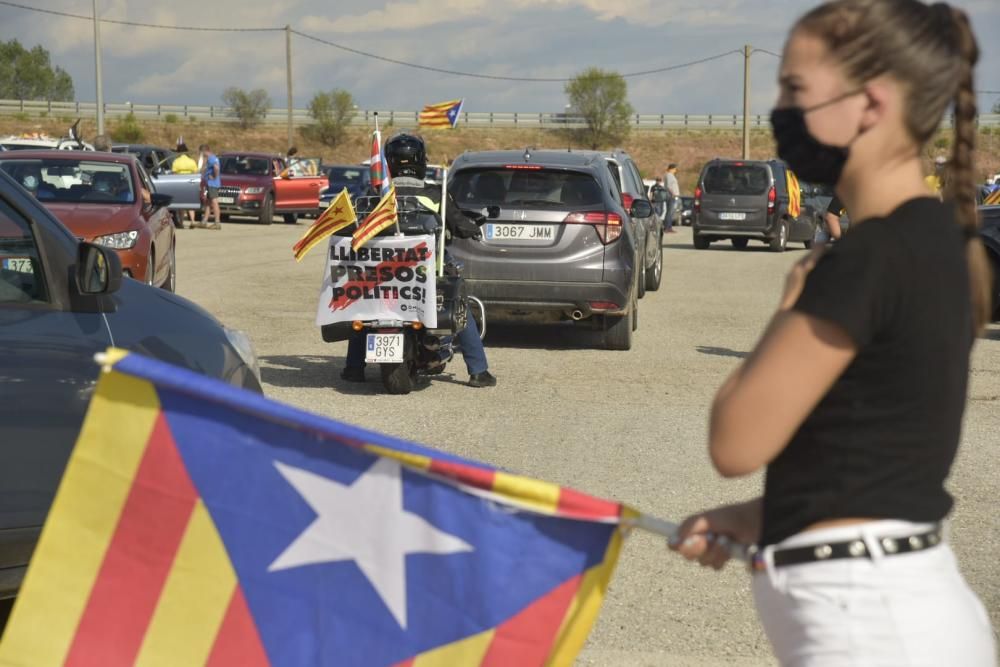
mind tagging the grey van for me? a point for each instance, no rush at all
(557, 244)
(744, 200)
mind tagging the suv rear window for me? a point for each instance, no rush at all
(541, 188)
(733, 179)
(241, 165)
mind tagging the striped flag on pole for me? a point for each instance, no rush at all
(383, 216)
(443, 115)
(339, 214)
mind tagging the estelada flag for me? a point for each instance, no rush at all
(794, 194)
(441, 115)
(339, 214)
(382, 216)
(201, 524)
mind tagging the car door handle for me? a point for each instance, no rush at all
(314, 185)
(195, 180)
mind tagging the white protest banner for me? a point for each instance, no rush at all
(390, 278)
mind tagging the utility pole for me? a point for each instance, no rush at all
(747, 50)
(288, 75)
(97, 71)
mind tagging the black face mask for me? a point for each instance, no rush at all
(811, 160)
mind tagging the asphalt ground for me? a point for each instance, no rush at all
(625, 425)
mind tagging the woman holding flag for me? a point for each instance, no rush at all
(853, 399)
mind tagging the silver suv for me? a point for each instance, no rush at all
(557, 245)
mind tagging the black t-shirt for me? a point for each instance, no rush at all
(881, 442)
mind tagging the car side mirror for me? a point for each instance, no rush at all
(158, 200)
(98, 270)
(641, 209)
(492, 212)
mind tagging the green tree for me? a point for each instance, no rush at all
(600, 98)
(996, 107)
(333, 112)
(29, 75)
(248, 107)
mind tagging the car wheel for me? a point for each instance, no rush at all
(780, 240)
(266, 216)
(618, 330)
(170, 284)
(701, 242)
(150, 268)
(655, 276)
(740, 243)
(291, 218)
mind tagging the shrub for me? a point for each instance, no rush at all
(170, 118)
(249, 108)
(21, 116)
(128, 131)
(333, 112)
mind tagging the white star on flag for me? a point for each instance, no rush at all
(364, 522)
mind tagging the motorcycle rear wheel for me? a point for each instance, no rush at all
(398, 378)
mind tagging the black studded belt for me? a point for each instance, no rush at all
(856, 548)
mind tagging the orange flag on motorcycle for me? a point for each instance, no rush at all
(381, 218)
(339, 214)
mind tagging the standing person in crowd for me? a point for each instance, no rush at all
(212, 175)
(658, 195)
(853, 399)
(939, 179)
(674, 190)
(183, 164)
(102, 143)
(831, 219)
(293, 165)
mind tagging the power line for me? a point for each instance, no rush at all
(497, 77)
(770, 53)
(135, 23)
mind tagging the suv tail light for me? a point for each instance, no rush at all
(627, 200)
(607, 225)
(697, 200)
(772, 197)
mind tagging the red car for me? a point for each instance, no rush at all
(260, 185)
(107, 199)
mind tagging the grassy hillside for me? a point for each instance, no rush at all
(652, 150)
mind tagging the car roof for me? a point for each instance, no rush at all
(542, 157)
(90, 156)
(268, 156)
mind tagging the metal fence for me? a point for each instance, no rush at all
(182, 113)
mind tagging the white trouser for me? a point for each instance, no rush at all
(906, 610)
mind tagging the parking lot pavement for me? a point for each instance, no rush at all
(626, 425)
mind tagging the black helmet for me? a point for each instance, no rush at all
(406, 155)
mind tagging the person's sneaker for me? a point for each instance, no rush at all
(215, 225)
(484, 379)
(353, 374)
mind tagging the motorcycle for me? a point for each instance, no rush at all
(403, 350)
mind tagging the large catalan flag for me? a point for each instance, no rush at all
(443, 115)
(382, 216)
(200, 524)
(339, 214)
(993, 199)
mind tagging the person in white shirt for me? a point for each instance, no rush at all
(674, 200)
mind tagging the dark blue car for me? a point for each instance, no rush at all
(62, 301)
(355, 178)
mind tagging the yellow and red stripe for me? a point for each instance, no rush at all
(383, 216)
(436, 115)
(993, 199)
(137, 592)
(338, 215)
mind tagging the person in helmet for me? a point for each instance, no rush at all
(406, 157)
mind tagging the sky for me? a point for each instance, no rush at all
(521, 38)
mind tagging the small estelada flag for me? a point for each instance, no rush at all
(339, 214)
(379, 219)
(443, 115)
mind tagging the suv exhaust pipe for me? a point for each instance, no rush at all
(577, 315)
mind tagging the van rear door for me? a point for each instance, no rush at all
(734, 196)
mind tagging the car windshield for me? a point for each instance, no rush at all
(535, 188)
(242, 165)
(736, 179)
(58, 180)
(349, 175)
